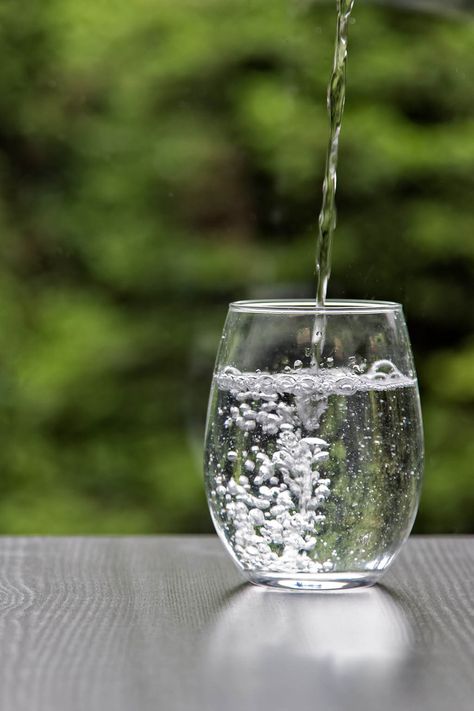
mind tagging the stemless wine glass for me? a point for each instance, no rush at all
(313, 465)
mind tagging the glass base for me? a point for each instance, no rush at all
(312, 583)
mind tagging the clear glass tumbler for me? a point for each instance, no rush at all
(313, 465)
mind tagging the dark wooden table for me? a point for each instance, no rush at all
(167, 623)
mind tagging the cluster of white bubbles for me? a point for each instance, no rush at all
(382, 375)
(275, 498)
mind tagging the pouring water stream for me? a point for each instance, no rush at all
(336, 97)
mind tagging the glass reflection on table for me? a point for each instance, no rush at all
(285, 650)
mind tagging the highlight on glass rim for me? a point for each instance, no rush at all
(167, 159)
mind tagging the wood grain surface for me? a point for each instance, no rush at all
(167, 624)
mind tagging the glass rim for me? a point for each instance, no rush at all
(308, 306)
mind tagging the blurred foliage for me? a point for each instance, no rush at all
(160, 158)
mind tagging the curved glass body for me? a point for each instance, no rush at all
(313, 472)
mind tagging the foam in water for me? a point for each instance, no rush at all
(382, 375)
(274, 457)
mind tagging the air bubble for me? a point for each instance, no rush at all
(257, 517)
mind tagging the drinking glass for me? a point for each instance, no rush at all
(314, 454)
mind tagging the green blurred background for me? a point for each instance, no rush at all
(162, 157)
